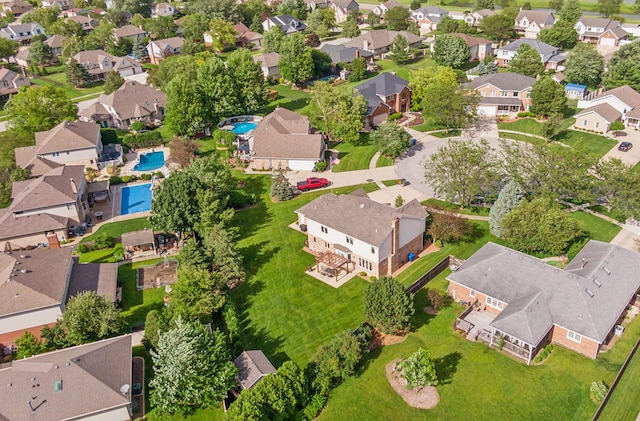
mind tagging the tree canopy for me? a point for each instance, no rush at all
(527, 62)
(113, 82)
(497, 27)
(391, 139)
(296, 62)
(547, 97)
(624, 67)
(450, 50)
(400, 49)
(419, 370)
(397, 18)
(336, 112)
(388, 307)
(39, 108)
(510, 196)
(585, 65)
(561, 35)
(89, 317)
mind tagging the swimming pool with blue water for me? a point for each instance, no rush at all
(135, 199)
(243, 127)
(150, 161)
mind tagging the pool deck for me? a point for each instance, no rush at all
(132, 159)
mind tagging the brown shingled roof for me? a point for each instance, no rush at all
(605, 111)
(252, 366)
(134, 100)
(53, 188)
(101, 278)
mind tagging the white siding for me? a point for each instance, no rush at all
(409, 229)
(333, 236)
(69, 211)
(66, 157)
(31, 319)
(611, 100)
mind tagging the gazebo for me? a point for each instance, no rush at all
(139, 241)
(333, 262)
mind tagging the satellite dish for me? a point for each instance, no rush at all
(124, 389)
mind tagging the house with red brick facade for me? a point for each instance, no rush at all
(373, 237)
(600, 31)
(503, 93)
(521, 304)
(385, 94)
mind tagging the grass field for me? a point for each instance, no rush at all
(136, 304)
(355, 157)
(384, 161)
(116, 229)
(518, 137)
(472, 210)
(291, 99)
(98, 256)
(525, 125)
(597, 228)
(59, 80)
(624, 402)
(596, 145)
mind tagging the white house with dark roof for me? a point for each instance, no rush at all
(502, 93)
(552, 57)
(530, 22)
(374, 237)
(99, 63)
(287, 24)
(428, 17)
(285, 140)
(600, 31)
(22, 32)
(160, 49)
(385, 94)
(131, 102)
(519, 301)
(474, 18)
(619, 104)
(85, 382)
(383, 7)
(69, 143)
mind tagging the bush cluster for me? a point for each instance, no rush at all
(224, 136)
(598, 391)
(394, 116)
(526, 114)
(100, 242)
(109, 136)
(141, 140)
(542, 355)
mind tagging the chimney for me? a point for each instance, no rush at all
(365, 45)
(53, 240)
(395, 236)
(357, 53)
(583, 263)
(74, 186)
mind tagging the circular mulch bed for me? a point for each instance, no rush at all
(382, 339)
(425, 398)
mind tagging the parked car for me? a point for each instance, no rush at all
(625, 146)
(312, 183)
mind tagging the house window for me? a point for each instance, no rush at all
(390, 98)
(56, 154)
(404, 95)
(373, 250)
(472, 293)
(584, 122)
(505, 93)
(481, 93)
(597, 124)
(528, 94)
(495, 303)
(349, 240)
(326, 245)
(493, 93)
(515, 94)
(324, 229)
(574, 336)
(365, 264)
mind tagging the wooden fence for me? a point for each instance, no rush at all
(432, 273)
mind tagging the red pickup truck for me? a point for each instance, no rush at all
(312, 183)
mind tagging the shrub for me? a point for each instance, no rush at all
(126, 178)
(321, 166)
(373, 278)
(159, 174)
(419, 369)
(118, 253)
(542, 355)
(224, 137)
(526, 114)
(147, 139)
(102, 241)
(395, 116)
(233, 327)
(109, 136)
(363, 274)
(436, 299)
(82, 248)
(136, 126)
(146, 177)
(114, 179)
(598, 391)
(315, 406)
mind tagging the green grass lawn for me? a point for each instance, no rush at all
(291, 99)
(597, 228)
(518, 137)
(136, 304)
(116, 229)
(390, 183)
(596, 145)
(283, 312)
(98, 256)
(354, 156)
(613, 213)
(447, 134)
(624, 402)
(384, 161)
(472, 210)
(525, 125)
(59, 80)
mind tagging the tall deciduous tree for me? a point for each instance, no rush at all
(372, 19)
(197, 294)
(227, 10)
(609, 7)
(510, 197)
(295, 8)
(112, 82)
(337, 113)
(624, 67)
(561, 35)
(296, 62)
(448, 25)
(160, 27)
(388, 307)
(450, 50)
(400, 49)
(397, 18)
(28, 345)
(585, 65)
(447, 226)
(76, 73)
(350, 28)
(527, 62)
(540, 226)
(547, 97)
(89, 317)
(8, 48)
(192, 369)
(175, 206)
(618, 183)
(39, 53)
(251, 87)
(156, 323)
(194, 26)
(570, 11)
(272, 41)
(497, 27)
(185, 107)
(222, 34)
(460, 170)
(391, 139)
(358, 69)
(38, 108)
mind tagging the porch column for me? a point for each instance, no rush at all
(491, 338)
(530, 354)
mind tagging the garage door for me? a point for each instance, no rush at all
(301, 165)
(607, 41)
(127, 72)
(486, 111)
(378, 119)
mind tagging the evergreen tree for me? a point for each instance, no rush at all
(281, 188)
(388, 307)
(76, 73)
(547, 97)
(399, 49)
(350, 28)
(510, 196)
(112, 82)
(139, 50)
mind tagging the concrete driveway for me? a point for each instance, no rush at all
(632, 156)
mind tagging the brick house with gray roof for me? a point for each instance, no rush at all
(379, 41)
(385, 94)
(91, 381)
(520, 301)
(502, 93)
(374, 237)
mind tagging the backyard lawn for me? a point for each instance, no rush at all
(355, 156)
(525, 125)
(624, 403)
(291, 99)
(596, 145)
(384, 161)
(452, 207)
(59, 80)
(597, 228)
(136, 304)
(116, 229)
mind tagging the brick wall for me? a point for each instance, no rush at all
(8, 339)
(414, 246)
(586, 347)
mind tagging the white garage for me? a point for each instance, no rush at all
(607, 41)
(487, 110)
(301, 165)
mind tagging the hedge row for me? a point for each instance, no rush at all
(147, 139)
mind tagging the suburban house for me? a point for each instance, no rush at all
(480, 48)
(160, 49)
(60, 4)
(474, 18)
(428, 17)
(163, 9)
(343, 54)
(246, 38)
(68, 143)
(269, 65)
(86, 23)
(551, 56)
(99, 63)
(23, 58)
(575, 91)
(622, 103)
(41, 206)
(385, 94)
(131, 102)
(530, 22)
(378, 42)
(312, 4)
(600, 31)
(382, 8)
(10, 82)
(47, 386)
(16, 7)
(503, 93)
(55, 43)
(373, 237)
(22, 32)
(285, 140)
(577, 307)
(343, 9)
(131, 32)
(252, 367)
(287, 23)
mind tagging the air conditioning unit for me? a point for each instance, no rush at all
(618, 330)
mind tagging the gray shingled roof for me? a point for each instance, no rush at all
(90, 376)
(358, 216)
(38, 223)
(540, 17)
(102, 278)
(53, 188)
(267, 60)
(545, 50)
(382, 38)
(604, 110)
(252, 366)
(504, 81)
(585, 300)
(138, 238)
(385, 84)
(133, 100)
(343, 54)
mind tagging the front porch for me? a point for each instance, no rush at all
(475, 322)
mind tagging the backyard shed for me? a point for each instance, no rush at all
(139, 241)
(252, 367)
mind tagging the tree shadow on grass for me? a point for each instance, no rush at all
(421, 318)
(475, 233)
(259, 338)
(368, 359)
(447, 366)
(255, 256)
